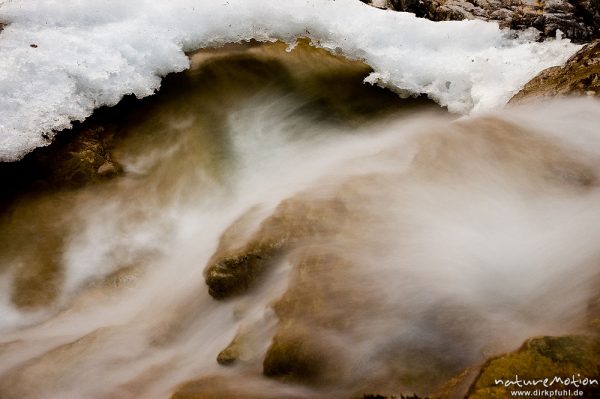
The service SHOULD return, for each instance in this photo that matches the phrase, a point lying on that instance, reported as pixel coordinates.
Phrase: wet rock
(235, 387)
(579, 76)
(329, 301)
(457, 386)
(81, 159)
(299, 355)
(593, 311)
(320, 316)
(108, 169)
(36, 286)
(323, 277)
(231, 353)
(326, 314)
(376, 396)
(76, 157)
(233, 270)
(40, 229)
(578, 20)
(546, 357)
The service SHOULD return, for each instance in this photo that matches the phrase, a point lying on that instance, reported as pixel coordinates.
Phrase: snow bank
(91, 53)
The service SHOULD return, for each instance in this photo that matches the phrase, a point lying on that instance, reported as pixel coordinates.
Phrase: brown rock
(232, 270)
(108, 169)
(298, 355)
(231, 353)
(579, 76)
(539, 358)
(81, 159)
(376, 396)
(237, 387)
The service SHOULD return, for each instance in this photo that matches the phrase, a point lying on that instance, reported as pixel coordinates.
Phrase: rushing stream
(397, 244)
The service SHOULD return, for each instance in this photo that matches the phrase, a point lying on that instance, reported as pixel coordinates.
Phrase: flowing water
(439, 241)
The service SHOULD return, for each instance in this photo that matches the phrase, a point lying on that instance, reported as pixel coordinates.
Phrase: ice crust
(91, 53)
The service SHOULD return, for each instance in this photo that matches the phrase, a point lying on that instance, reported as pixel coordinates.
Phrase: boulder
(579, 20)
(233, 269)
(298, 355)
(574, 357)
(579, 76)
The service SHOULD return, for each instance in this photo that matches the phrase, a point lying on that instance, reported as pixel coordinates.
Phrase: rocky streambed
(267, 226)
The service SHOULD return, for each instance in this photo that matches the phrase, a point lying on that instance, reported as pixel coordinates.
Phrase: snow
(91, 53)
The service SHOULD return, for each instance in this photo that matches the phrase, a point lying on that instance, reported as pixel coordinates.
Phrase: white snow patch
(91, 53)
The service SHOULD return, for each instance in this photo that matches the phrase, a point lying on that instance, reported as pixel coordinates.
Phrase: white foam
(91, 53)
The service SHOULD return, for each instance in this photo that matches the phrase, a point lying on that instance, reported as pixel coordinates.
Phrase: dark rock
(578, 20)
(579, 76)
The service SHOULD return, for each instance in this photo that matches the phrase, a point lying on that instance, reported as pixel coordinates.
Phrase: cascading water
(433, 243)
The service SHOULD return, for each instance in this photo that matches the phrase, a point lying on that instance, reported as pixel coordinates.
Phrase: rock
(579, 76)
(37, 285)
(383, 4)
(578, 20)
(232, 352)
(248, 345)
(80, 159)
(35, 190)
(546, 357)
(593, 312)
(76, 157)
(457, 386)
(232, 387)
(307, 345)
(108, 169)
(37, 226)
(232, 270)
(327, 309)
(376, 396)
(299, 355)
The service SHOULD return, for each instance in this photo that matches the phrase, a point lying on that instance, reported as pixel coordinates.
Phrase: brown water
(397, 245)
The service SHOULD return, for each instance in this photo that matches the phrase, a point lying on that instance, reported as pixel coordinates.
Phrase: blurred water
(465, 237)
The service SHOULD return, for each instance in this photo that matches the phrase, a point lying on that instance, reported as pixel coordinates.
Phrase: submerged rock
(579, 76)
(77, 157)
(572, 357)
(81, 159)
(224, 387)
